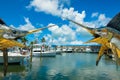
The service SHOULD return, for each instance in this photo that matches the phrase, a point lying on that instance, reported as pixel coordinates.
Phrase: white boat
(13, 58)
(15, 55)
(42, 52)
(88, 49)
(69, 50)
(58, 51)
(64, 50)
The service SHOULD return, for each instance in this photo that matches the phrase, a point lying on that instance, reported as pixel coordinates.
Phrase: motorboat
(13, 58)
(15, 55)
(40, 51)
(45, 54)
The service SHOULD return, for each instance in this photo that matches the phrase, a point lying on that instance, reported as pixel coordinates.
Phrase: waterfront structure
(79, 48)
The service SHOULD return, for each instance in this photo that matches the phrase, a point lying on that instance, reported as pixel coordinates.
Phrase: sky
(33, 14)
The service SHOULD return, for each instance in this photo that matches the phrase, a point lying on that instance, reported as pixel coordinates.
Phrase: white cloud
(47, 6)
(27, 26)
(101, 17)
(76, 42)
(56, 8)
(64, 31)
(61, 40)
(65, 34)
(95, 14)
(62, 35)
(102, 20)
(74, 15)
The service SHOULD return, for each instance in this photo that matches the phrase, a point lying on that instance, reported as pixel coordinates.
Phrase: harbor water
(67, 66)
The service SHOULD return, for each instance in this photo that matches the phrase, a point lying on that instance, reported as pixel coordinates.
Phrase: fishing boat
(69, 50)
(15, 56)
(58, 51)
(88, 49)
(40, 51)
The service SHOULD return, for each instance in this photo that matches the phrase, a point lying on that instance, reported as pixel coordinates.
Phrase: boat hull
(44, 54)
(13, 58)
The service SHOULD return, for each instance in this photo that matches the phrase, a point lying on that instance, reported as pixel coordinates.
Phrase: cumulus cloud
(95, 14)
(72, 14)
(76, 42)
(61, 40)
(47, 6)
(62, 35)
(56, 8)
(27, 26)
(102, 20)
(65, 34)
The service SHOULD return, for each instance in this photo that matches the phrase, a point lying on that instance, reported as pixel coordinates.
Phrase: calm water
(76, 66)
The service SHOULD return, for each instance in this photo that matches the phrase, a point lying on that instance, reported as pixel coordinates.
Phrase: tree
(43, 40)
(24, 40)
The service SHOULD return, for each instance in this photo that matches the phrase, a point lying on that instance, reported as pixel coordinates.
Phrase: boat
(40, 51)
(64, 50)
(15, 56)
(58, 51)
(44, 54)
(88, 49)
(69, 50)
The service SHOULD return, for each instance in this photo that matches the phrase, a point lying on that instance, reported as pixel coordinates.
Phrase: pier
(79, 48)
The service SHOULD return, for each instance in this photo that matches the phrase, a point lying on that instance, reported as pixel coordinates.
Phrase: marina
(72, 66)
(59, 40)
(41, 51)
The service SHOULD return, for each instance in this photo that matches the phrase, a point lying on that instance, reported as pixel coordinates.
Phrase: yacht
(69, 50)
(40, 51)
(58, 51)
(14, 57)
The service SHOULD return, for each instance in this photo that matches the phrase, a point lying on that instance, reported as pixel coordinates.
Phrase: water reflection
(67, 67)
(12, 70)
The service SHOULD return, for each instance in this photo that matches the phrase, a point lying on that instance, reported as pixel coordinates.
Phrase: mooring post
(31, 53)
(41, 51)
(5, 58)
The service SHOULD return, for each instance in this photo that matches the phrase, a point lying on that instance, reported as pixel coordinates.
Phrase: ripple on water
(67, 67)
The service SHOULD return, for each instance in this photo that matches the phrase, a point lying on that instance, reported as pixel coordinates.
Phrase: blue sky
(32, 14)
